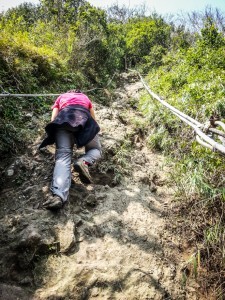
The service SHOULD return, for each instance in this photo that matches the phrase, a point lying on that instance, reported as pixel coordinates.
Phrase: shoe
(83, 171)
(54, 203)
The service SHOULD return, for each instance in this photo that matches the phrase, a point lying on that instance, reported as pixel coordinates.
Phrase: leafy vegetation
(192, 80)
(59, 45)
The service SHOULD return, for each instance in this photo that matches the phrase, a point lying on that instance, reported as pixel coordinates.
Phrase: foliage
(192, 80)
(143, 34)
(25, 66)
(61, 11)
(90, 47)
(28, 13)
(211, 37)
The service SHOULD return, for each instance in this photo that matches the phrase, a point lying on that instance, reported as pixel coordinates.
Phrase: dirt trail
(111, 241)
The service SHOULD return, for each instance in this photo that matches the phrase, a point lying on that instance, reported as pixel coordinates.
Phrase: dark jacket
(77, 119)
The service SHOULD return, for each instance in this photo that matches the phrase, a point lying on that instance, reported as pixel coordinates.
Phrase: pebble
(10, 172)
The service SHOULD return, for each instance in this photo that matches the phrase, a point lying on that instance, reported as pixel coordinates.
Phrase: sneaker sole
(53, 205)
(84, 176)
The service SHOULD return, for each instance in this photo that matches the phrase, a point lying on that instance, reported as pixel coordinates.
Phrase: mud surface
(111, 240)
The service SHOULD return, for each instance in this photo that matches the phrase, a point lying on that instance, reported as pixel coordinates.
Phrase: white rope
(201, 137)
(204, 137)
(5, 94)
(200, 141)
(173, 109)
(221, 124)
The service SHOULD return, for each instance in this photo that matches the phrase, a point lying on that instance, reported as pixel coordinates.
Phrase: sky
(159, 6)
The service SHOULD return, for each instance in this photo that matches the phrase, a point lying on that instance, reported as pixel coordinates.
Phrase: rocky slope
(112, 239)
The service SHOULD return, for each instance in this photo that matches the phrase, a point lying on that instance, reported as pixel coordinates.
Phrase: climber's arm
(55, 112)
(92, 113)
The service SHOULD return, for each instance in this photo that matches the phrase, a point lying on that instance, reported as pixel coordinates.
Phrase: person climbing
(72, 122)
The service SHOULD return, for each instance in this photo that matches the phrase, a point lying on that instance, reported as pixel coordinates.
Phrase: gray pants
(64, 149)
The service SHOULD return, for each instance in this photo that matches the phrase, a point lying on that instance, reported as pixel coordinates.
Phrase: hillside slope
(112, 239)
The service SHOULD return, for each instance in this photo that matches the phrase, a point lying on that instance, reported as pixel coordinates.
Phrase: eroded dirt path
(111, 241)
